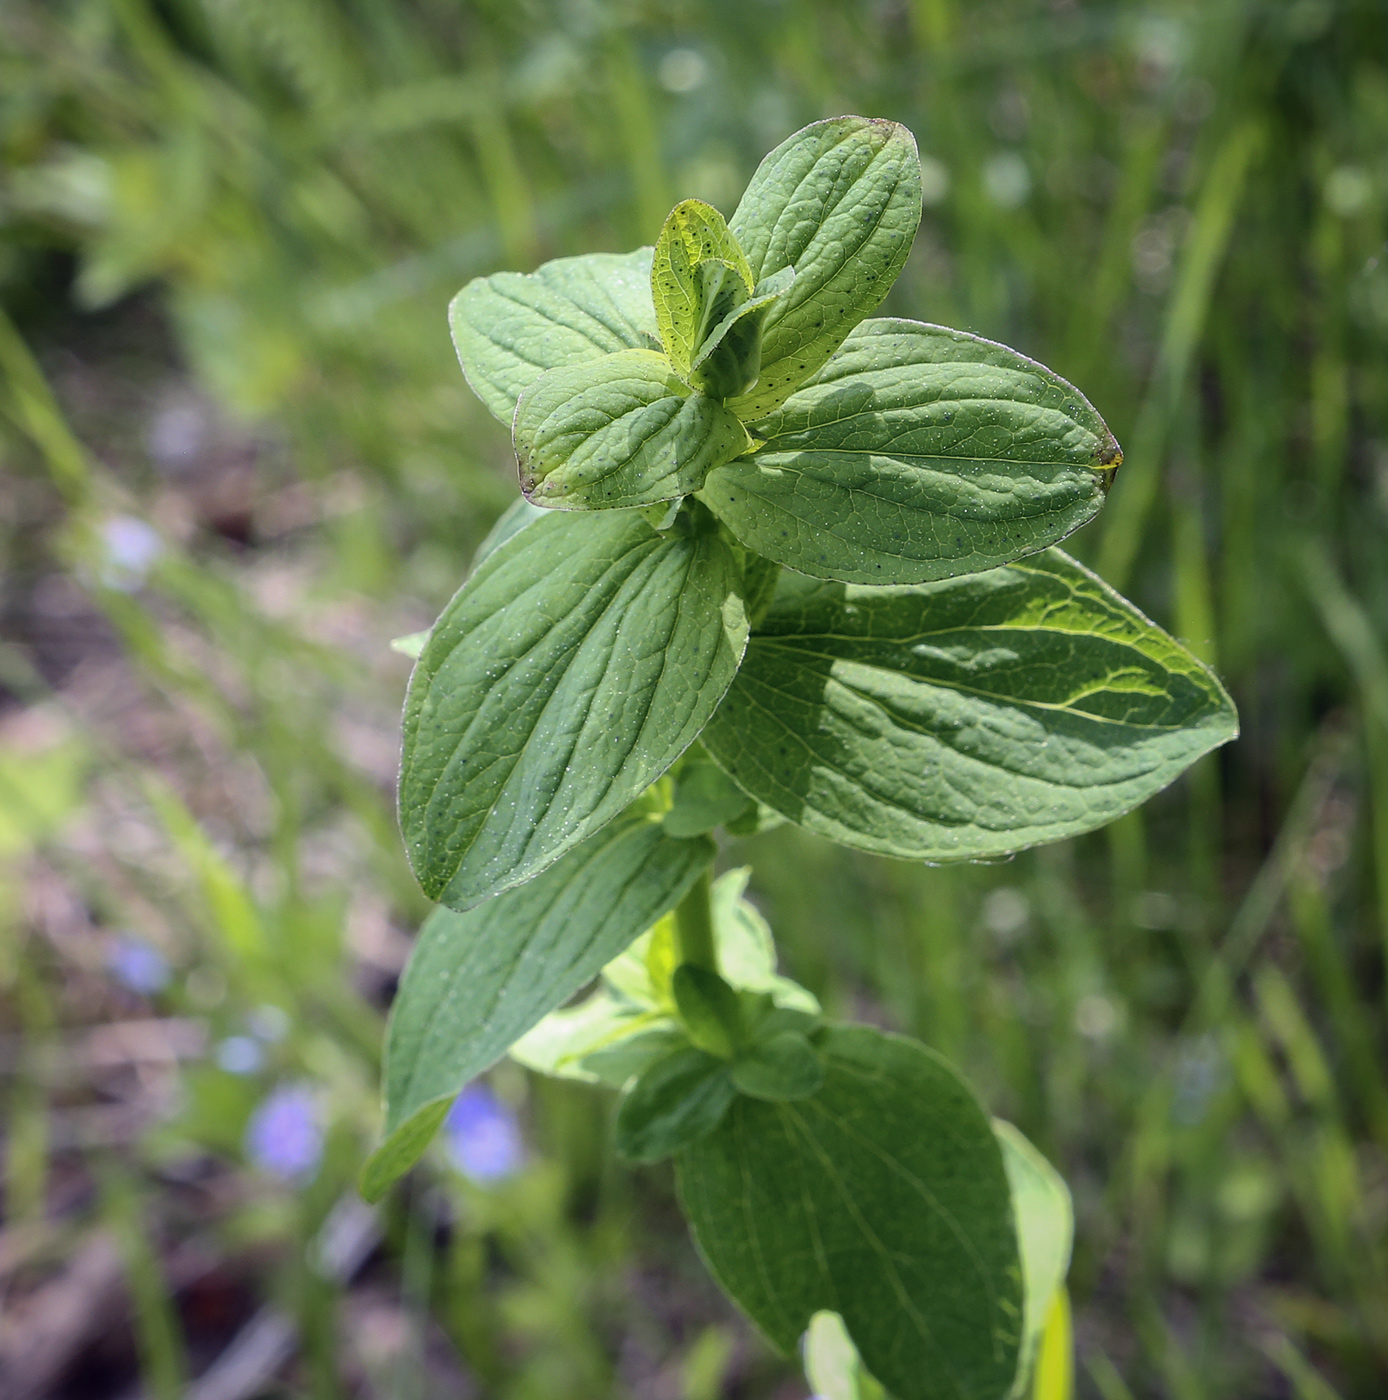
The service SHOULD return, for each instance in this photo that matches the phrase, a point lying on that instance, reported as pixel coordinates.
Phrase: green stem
(694, 926)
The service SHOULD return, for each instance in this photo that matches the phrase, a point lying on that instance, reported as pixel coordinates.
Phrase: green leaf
(477, 981)
(708, 1008)
(674, 1103)
(884, 1198)
(839, 201)
(746, 950)
(698, 275)
(578, 662)
(511, 327)
(705, 797)
(1045, 1232)
(620, 431)
(779, 1068)
(512, 520)
(917, 453)
(966, 718)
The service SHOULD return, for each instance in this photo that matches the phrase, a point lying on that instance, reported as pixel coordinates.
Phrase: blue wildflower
(137, 965)
(482, 1136)
(284, 1136)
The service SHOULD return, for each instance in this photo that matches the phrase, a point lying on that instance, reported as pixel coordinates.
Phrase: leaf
(705, 797)
(1045, 1232)
(1055, 1363)
(779, 1068)
(619, 431)
(674, 1103)
(578, 662)
(917, 453)
(728, 362)
(479, 980)
(512, 520)
(832, 1364)
(511, 327)
(883, 1197)
(688, 304)
(746, 950)
(839, 201)
(559, 1044)
(966, 718)
(708, 1009)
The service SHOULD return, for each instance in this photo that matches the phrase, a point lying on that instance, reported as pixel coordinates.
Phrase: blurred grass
(228, 229)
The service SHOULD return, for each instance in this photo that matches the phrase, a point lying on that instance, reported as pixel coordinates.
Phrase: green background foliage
(253, 214)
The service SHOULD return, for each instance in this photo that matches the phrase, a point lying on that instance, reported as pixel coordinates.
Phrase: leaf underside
(477, 981)
(883, 1198)
(917, 453)
(839, 201)
(967, 718)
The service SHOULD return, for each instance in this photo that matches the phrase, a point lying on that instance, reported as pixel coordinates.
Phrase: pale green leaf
(883, 1197)
(839, 202)
(617, 432)
(728, 362)
(411, 645)
(559, 1044)
(917, 453)
(674, 1103)
(966, 718)
(832, 1364)
(1045, 1232)
(479, 980)
(511, 327)
(571, 670)
(687, 303)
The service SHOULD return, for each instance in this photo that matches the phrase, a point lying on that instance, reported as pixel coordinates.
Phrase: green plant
(776, 562)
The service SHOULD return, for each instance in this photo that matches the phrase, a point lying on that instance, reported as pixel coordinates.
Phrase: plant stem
(694, 926)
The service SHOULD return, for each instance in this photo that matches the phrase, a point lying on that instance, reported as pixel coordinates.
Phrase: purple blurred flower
(129, 549)
(239, 1054)
(137, 965)
(482, 1136)
(284, 1136)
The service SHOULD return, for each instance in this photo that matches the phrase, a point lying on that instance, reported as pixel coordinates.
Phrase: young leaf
(620, 431)
(779, 1068)
(839, 201)
(690, 298)
(728, 361)
(578, 662)
(966, 718)
(674, 1103)
(705, 797)
(708, 1008)
(511, 327)
(511, 521)
(477, 981)
(917, 453)
(883, 1197)
(1045, 1231)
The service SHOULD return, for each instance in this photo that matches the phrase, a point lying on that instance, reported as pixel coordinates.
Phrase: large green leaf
(917, 453)
(1045, 1232)
(578, 662)
(511, 327)
(883, 1198)
(623, 430)
(966, 718)
(479, 980)
(689, 298)
(839, 201)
